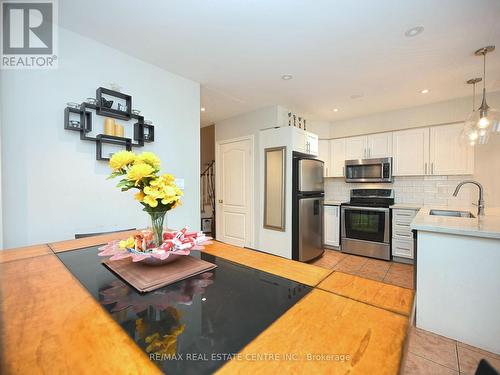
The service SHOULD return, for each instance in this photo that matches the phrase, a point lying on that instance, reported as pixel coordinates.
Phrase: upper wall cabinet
(304, 141)
(369, 146)
(324, 154)
(449, 153)
(439, 150)
(379, 145)
(337, 157)
(355, 148)
(411, 152)
(312, 144)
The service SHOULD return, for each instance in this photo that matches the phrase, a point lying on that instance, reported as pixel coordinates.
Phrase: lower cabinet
(331, 224)
(402, 236)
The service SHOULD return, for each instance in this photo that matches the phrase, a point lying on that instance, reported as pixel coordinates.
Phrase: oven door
(366, 223)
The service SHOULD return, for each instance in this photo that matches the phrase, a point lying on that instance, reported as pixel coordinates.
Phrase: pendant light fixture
(485, 119)
(471, 133)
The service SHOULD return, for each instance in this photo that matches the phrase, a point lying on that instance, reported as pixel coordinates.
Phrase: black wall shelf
(84, 119)
(143, 133)
(111, 112)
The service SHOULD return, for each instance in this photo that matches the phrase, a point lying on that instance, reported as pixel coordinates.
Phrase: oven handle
(356, 208)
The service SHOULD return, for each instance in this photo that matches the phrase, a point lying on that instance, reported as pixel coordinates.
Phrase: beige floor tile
(374, 269)
(350, 264)
(433, 347)
(469, 359)
(402, 280)
(416, 365)
(329, 259)
(401, 266)
(481, 351)
(400, 275)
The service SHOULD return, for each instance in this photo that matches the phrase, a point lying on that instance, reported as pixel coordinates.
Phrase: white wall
(487, 157)
(430, 114)
(52, 186)
(249, 124)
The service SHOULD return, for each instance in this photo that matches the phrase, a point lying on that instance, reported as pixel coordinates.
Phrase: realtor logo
(29, 39)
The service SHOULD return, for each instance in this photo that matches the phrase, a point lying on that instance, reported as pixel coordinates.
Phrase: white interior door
(235, 192)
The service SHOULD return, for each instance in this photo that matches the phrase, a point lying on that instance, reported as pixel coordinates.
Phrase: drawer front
(402, 248)
(403, 217)
(401, 231)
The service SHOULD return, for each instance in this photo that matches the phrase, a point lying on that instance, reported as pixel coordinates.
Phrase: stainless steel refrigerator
(307, 208)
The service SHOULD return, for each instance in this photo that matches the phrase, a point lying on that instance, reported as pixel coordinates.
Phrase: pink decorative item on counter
(141, 247)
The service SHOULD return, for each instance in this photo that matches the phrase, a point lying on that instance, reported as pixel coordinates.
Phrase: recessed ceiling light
(424, 91)
(286, 77)
(335, 110)
(414, 31)
(356, 96)
(202, 109)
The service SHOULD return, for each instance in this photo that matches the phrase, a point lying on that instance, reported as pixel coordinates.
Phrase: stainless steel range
(366, 223)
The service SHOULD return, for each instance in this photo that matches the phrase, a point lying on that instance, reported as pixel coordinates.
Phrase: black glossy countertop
(195, 325)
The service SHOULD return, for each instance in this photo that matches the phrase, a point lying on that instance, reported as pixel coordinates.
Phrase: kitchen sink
(451, 213)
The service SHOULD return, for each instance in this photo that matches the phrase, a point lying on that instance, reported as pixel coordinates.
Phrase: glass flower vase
(158, 222)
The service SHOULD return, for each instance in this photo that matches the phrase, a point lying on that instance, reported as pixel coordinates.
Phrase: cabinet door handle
(343, 171)
(220, 201)
(425, 168)
(432, 168)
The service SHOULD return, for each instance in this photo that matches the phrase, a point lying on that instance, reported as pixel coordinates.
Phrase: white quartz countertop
(328, 202)
(406, 206)
(487, 226)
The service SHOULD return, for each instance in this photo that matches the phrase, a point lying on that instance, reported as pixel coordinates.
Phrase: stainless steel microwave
(368, 170)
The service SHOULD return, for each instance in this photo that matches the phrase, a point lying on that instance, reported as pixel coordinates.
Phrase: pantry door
(234, 191)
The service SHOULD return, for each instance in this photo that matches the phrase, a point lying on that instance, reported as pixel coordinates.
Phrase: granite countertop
(406, 206)
(487, 226)
(332, 202)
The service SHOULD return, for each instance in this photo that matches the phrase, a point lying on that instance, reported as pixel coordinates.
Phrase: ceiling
(238, 50)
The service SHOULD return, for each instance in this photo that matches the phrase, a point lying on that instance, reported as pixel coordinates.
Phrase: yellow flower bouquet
(157, 193)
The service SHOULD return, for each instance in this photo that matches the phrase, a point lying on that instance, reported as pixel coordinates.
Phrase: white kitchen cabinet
(369, 146)
(304, 142)
(435, 151)
(312, 144)
(411, 152)
(356, 148)
(337, 157)
(450, 154)
(298, 139)
(331, 224)
(379, 145)
(402, 236)
(324, 154)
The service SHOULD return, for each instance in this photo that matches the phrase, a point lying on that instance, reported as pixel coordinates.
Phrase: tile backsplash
(424, 190)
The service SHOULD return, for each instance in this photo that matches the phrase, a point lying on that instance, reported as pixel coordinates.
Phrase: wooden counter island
(51, 324)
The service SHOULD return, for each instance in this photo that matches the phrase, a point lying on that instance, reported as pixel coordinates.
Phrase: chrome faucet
(480, 202)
